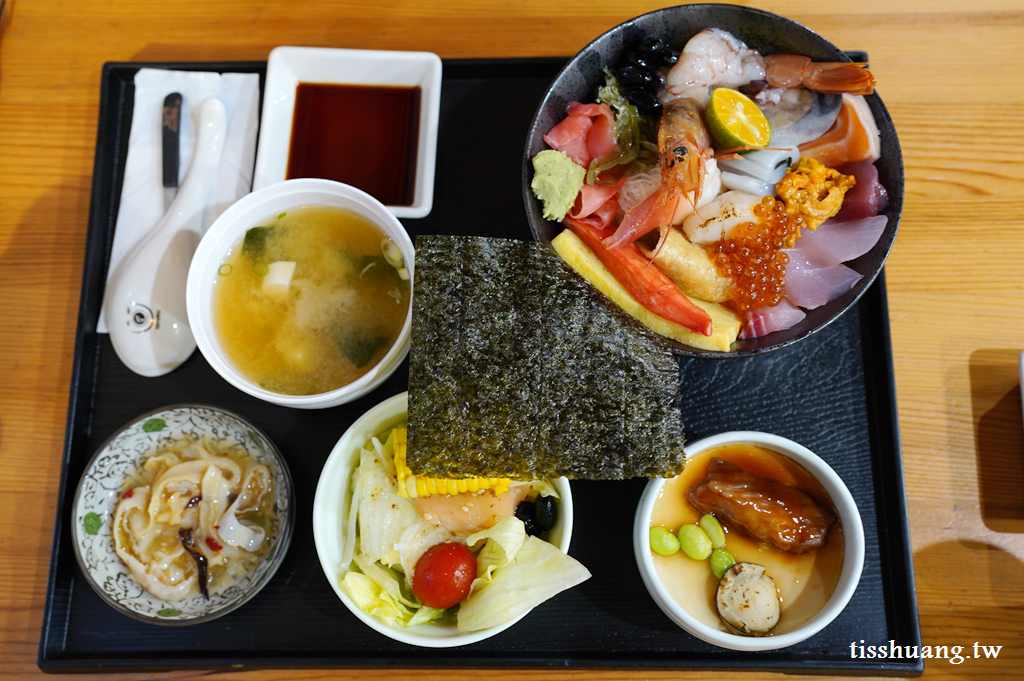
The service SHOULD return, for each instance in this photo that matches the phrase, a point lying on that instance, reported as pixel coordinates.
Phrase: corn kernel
(410, 485)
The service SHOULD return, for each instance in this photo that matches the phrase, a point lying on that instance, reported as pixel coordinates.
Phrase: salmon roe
(752, 257)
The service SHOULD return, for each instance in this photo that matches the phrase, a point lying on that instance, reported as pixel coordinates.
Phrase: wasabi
(556, 182)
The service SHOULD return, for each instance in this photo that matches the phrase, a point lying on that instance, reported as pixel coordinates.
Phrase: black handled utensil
(171, 155)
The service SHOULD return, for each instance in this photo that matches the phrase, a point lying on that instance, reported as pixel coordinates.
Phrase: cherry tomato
(443, 575)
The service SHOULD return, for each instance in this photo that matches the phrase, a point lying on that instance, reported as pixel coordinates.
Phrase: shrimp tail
(830, 78)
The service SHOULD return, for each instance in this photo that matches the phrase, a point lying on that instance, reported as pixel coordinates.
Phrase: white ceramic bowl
(99, 492)
(853, 550)
(330, 509)
(289, 66)
(229, 229)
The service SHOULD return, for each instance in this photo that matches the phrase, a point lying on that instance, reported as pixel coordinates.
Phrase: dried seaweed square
(521, 369)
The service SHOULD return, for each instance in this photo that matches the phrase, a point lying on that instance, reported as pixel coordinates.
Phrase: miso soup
(310, 300)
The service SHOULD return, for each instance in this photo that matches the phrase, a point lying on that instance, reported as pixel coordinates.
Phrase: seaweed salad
(521, 369)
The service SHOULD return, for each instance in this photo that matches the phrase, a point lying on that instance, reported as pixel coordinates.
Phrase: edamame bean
(721, 561)
(716, 534)
(694, 542)
(663, 542)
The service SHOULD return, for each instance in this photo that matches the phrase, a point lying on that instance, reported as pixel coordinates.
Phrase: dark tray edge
(78, 425)
(894, 504)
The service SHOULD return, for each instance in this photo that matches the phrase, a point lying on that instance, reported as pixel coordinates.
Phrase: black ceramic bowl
(763, 31)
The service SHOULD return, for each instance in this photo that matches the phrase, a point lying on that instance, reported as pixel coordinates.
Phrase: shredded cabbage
(383, 515)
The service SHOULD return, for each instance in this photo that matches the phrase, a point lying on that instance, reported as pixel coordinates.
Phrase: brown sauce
(805, 582)
(362, 135)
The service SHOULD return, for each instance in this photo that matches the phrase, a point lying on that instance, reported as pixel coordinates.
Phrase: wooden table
(951, 78)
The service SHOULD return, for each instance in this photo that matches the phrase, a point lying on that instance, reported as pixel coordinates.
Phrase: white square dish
(289, 66)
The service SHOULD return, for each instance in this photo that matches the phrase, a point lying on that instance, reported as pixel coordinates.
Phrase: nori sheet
(519, 368)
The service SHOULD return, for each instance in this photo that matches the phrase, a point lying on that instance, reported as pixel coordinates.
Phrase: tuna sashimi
(835, 242)
(853, 137)
(468, 513)
(766, 320)
(868, 197)
(811, 285)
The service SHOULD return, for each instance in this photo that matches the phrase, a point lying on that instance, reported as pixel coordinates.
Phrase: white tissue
(142, 196)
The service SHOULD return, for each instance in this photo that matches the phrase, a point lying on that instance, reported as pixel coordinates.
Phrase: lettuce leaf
(503, 542)
(536, 572)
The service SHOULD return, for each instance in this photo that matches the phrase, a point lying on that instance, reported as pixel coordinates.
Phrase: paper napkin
(142, 202)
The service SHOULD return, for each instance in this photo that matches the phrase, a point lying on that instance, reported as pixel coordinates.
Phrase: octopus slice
(766, 510)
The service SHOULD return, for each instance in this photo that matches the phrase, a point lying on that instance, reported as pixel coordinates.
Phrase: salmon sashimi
(471, 512)
(853, 137)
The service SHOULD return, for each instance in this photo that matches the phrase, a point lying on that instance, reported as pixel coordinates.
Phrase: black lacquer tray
(833, 392)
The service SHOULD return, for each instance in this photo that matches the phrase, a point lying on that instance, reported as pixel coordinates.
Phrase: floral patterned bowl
(100, 490)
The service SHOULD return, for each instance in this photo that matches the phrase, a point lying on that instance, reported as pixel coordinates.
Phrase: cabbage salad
(386, 537)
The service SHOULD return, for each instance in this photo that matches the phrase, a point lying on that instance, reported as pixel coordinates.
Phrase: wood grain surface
(950, 74)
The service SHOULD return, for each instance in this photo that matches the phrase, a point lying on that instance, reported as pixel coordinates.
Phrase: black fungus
(185, 535)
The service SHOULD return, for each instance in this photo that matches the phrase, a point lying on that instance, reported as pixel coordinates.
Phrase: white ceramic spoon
(146, 314)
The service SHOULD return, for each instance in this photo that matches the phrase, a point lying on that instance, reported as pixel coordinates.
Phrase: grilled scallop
(747, 599)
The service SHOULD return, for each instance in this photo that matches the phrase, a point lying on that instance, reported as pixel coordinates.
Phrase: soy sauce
(363, 135)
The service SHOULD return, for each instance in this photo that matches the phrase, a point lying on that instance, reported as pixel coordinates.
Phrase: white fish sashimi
(835, 242)
(766, 320)
(811, 285)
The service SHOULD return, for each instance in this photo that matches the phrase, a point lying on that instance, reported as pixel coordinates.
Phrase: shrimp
(831, 78)
(712, 58)
(684, 147)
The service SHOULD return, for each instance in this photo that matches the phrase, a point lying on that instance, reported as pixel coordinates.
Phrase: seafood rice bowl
(724, 175)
